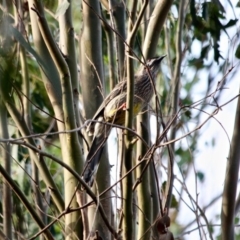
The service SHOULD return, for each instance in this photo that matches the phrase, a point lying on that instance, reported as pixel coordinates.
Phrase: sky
(211, 158)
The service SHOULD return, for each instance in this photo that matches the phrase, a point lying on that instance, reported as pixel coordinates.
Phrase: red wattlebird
(112, 110)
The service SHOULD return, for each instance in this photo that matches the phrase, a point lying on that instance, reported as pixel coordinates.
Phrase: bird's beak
(161, 58)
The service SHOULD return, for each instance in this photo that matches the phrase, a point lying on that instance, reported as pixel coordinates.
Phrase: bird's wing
(118, 89)
(92, 162)
(115, 108)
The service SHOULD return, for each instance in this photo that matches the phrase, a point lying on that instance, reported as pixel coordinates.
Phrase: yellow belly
(117, 116)
(136, 109)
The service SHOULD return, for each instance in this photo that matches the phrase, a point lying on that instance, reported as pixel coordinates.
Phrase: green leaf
(213, 142)
(174, 203)
(205, 51)
(188, 114)
(231, 23)
(237, 53)
(18, 36)
(164, 184)
(200, 176)
(217, 54)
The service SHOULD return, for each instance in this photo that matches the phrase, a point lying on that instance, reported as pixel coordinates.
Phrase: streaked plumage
(112, 110)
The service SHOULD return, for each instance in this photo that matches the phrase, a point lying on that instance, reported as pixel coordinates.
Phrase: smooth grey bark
(127, 195)
(133, 26)
(27, 117)
(143, 189)
(71, 109)
(92, 89)
(5, 157)
(69, 141)
(27, 112)
(155, 25)
(118, 18)
(231, 181)
(68, 48)
(176, 81)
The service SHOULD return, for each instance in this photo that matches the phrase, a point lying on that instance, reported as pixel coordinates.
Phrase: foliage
(42, 96)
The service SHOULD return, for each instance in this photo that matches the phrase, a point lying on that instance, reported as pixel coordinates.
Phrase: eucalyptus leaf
(18, 36)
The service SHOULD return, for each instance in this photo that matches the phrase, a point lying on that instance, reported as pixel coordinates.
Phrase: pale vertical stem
(117, 15)
(132, 16)
(71, 148)
(50, 78)
(147, 190)
(175, 99)
(92, 84)
(49, 73)
(68, 48)
(70, 86)
(177, 73)
(2, 235)
(81, 199)
(143, 189)
(168, 50)
(128, 232)
(25, 86)
(155, 25)
(231, 181)
(5, 158)
(146, 19)
(26, 108)
(129, 219)
(127, 165)
(112, 78)
(27, 113)
(154, 195)
(110, 53)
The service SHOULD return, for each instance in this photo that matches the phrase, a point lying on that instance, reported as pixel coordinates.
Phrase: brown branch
(82, 182)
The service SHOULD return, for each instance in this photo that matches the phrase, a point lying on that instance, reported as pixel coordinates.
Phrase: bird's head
(152, 65)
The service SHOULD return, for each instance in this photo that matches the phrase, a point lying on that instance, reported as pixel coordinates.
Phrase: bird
(112, 111)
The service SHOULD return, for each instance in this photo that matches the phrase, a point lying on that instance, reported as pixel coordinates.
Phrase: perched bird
(112, 110)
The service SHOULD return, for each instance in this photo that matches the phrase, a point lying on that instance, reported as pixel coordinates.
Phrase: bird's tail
(94, 155)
